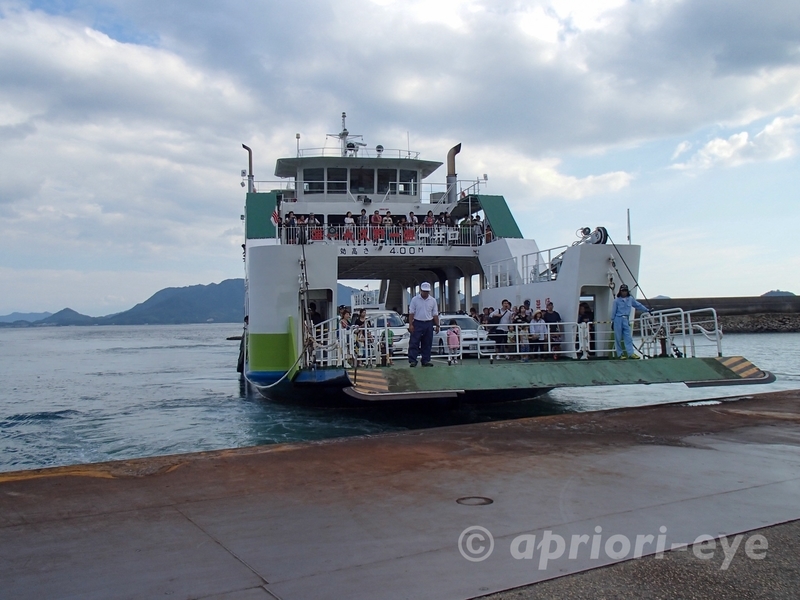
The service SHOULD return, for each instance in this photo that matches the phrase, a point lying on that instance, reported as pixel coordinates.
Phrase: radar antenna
(348, 142)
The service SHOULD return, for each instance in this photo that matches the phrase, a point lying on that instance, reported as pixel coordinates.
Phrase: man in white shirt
(423, 317)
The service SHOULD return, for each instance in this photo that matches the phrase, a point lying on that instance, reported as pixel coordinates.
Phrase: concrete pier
(441, 513)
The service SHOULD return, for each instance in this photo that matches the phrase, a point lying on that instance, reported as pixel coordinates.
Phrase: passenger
(375, 221)
(487, 236)
(349, 227)
(552, 318)
(585, 315)
(483, 319)
(315, 317)
(477, 230)
(528, 310)
(473, 312)
(359, 328)
(313, 225)
(363, 227)
(501, 318)
(538, 333)
(361, 319)
(523, 333)
(429, 223)
(453, 342)
(423, 319)
(624, 303)
(516, 340)
(344, 322)
(465, 231)
(388, 225)
(302, 230)
(290, 226)
(412, 219)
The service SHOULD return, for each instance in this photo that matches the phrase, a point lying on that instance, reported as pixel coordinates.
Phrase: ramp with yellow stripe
(399, 382)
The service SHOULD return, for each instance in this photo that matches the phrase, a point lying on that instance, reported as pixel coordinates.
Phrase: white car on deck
(471, 336)
(390, 319)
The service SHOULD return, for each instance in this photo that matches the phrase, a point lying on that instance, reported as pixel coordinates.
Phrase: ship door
(599, 299)
(323, 298)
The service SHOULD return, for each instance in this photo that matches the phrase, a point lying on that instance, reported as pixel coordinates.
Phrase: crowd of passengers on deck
(385, 228)
(519, 332)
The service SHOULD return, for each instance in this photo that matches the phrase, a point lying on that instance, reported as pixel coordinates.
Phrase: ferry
(349, 211)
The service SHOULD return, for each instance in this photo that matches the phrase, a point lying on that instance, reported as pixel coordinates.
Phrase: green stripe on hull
(271, 351)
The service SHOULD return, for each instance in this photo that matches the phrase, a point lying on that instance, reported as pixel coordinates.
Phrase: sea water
(73, 395)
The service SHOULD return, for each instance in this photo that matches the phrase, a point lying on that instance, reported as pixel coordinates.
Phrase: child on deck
(453, 342)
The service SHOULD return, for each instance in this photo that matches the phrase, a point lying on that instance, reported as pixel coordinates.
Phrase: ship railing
(335, 346)
(678, 333)
(534, 341)
(358, 151)
(533, 267)
(502, 273)
(543, 265)
(328, 344)
(384, 235)
(369, 346)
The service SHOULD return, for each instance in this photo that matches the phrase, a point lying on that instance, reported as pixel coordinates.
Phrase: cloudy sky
(121, 124)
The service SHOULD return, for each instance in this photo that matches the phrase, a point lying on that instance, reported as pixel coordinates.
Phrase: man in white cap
(423, 316)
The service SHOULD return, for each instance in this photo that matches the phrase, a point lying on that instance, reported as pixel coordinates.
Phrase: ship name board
(396, 250)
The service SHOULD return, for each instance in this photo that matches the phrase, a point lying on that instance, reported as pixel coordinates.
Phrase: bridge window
(314, 181)
(337, 180)
(408, 182)
(362, 181)
(387, 181)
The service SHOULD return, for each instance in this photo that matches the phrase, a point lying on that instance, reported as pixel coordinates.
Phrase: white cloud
(540, 178)
(775, 142)
(682, 148)
(123, 155)
(539, 25)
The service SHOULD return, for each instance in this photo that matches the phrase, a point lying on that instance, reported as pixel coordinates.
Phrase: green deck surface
(472, 375)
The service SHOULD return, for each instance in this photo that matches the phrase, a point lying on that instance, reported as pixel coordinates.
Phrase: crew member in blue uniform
(423, 316)
(620, 314)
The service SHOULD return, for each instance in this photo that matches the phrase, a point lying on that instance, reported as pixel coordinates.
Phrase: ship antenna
(343, 135)
(348, 145)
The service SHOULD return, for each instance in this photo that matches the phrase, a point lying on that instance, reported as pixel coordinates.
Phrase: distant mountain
(777, 293)
(67, 317)
(17, 316)
(214, 303)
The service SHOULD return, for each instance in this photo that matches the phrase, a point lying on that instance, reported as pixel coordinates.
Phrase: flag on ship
(275, 216)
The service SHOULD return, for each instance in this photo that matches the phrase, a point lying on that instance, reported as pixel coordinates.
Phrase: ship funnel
(250, 179)
(452, 182)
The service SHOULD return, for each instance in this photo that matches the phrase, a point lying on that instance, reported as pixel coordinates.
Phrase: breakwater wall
(756, 314)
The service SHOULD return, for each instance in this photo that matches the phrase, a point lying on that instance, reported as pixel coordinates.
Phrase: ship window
(337, 180)
(387, 181)
(314, 181)
(362, 181)
(408, 182)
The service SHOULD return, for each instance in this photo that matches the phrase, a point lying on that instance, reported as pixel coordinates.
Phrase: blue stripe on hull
(264, 377)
